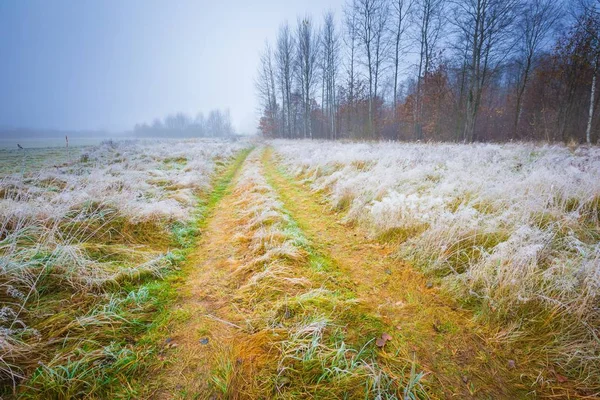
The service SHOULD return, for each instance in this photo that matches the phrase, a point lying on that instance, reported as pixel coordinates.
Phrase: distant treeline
(217, 124)
(452, 70)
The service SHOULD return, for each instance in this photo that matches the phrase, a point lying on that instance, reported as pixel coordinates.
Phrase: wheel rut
(462, 356)
(282, 301)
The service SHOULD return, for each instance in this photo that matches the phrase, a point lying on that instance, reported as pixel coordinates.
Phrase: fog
(107, 65)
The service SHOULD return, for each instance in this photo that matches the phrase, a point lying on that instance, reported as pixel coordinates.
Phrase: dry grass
(311, 322)
(282, 322)
(83, 249)
(511, 230)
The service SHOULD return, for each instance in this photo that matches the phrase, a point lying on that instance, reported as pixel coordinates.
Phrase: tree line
(216, 124)
(452, 70)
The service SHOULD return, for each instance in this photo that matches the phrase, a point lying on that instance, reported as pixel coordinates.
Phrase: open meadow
(87, 239)
(300, 269)
(315, 200)
(511, 231)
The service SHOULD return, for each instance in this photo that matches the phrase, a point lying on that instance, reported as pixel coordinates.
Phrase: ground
(230, 339)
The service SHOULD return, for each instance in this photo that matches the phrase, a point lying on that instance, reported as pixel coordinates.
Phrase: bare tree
(307, 48)
(350, 42)
(462, 85)
(284, 61)
(430, 24)
(534, 27)
(589, 20)
(330, 64)
(485, 24)
(401, 12)
(370, 17)
(218, 123)
(588, 130)
(265, 85)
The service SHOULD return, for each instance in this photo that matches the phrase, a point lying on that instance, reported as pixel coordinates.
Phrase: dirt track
(227, 344)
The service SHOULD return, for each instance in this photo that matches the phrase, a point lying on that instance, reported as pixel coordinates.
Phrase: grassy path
(189, 351)
(281, 301)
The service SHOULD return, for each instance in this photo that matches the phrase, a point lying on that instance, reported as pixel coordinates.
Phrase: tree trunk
(396, 72)
(520, 93)
(588, 131)
(469, 118)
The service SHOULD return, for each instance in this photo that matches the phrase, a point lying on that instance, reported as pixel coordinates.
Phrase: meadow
(300, 269)
(86, 240)
(511, 230)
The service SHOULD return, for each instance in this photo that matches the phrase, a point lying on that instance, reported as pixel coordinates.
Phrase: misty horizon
(108, 66)
(9, 132)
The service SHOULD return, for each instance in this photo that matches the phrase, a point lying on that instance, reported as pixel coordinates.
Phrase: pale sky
(108, 64)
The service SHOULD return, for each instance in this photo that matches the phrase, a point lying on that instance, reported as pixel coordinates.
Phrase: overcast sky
(108, 64)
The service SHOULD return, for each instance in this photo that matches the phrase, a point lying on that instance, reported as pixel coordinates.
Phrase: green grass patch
(401, 234)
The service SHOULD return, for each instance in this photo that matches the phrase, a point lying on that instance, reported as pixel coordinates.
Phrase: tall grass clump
(512, 229)
(82, 244)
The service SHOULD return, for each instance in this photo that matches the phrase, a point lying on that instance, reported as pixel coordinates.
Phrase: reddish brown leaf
(381, 341)
(561, 379)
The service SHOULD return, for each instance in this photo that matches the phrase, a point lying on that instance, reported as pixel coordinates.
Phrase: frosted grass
(90, 224)
(515, 226)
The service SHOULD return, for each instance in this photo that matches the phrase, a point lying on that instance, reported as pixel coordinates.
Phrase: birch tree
(370, 18)
(284, 59)
(307, 52)
(589, 20)
(350, 44)
(330, 65)
(485, 24)
(430, 23)
(265, 85)
(534, 27)
(401, 11)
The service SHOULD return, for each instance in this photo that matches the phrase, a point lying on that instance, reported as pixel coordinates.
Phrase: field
(297, 269)
(87, 240)
(511, 231)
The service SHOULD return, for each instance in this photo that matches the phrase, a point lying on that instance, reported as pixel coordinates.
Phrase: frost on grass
(306, 323)
(514, 226)
(73, 234)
